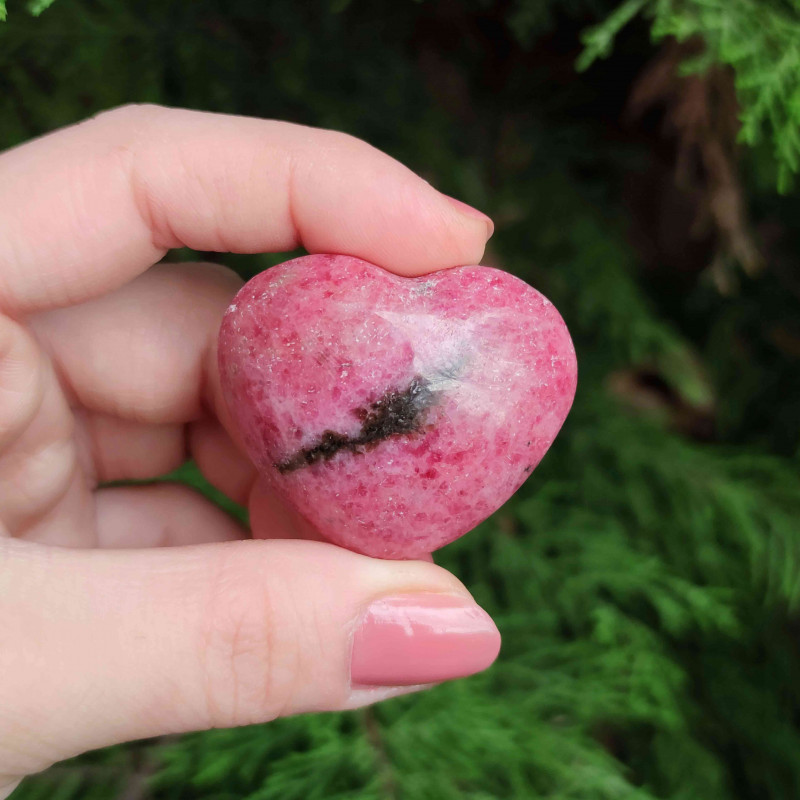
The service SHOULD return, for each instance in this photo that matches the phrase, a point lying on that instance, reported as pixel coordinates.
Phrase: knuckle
(339, 141)
(128, 110)
(247, 659)
(32, 482)
(347, 140)
(21, 381)
(360, 148)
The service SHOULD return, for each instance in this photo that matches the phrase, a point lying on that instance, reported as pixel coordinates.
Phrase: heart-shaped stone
(394, 414)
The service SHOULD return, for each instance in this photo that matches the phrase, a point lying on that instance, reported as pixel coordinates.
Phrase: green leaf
(36, 7)
(599, 40)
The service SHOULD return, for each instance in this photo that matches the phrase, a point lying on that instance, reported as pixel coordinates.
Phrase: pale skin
(136, 612)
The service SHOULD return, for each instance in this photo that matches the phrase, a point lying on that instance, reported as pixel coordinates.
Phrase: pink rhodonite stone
(394, 414)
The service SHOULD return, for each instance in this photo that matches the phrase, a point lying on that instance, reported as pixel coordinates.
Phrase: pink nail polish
(469, 211)
(422, 638)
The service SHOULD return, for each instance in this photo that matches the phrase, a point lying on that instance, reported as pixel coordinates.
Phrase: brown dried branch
(700, 114)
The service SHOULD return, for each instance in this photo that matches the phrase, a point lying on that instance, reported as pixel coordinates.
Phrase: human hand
(108, 371)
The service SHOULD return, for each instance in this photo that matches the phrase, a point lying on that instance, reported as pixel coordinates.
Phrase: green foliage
(647, 584)
(37, 7)
(528, 20)
(599, 40)
(759, 39)
(34, 7)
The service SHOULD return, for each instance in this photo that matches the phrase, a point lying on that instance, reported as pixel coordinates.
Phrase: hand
(108, 371)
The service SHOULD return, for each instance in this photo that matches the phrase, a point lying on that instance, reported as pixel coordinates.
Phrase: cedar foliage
(647, 577)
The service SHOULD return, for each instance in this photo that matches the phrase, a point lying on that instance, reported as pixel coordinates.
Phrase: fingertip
(471, 213)
(222, 463)
(437, 232)
(366, 204)
(160, 515)
(449, 234)
(413, 639)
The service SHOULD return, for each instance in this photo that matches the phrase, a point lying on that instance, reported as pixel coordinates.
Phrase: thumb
(101, 647)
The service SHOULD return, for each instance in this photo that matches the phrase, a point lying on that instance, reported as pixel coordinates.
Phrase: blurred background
(638, 159)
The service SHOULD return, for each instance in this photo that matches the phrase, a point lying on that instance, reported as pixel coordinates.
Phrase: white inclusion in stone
(455, 358)
(442, 347)
(423, 288)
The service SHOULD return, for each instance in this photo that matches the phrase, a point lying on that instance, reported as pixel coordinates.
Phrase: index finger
(87, 208)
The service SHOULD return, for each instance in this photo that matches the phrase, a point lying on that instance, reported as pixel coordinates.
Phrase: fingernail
(469, 211)
(422, 638)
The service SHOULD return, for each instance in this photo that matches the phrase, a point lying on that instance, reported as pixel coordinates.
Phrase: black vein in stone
(396, 413)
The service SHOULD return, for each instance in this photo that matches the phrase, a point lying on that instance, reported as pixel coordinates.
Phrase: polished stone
(394, 413)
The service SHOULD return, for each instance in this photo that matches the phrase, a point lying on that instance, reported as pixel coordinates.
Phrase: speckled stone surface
(394, 413)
